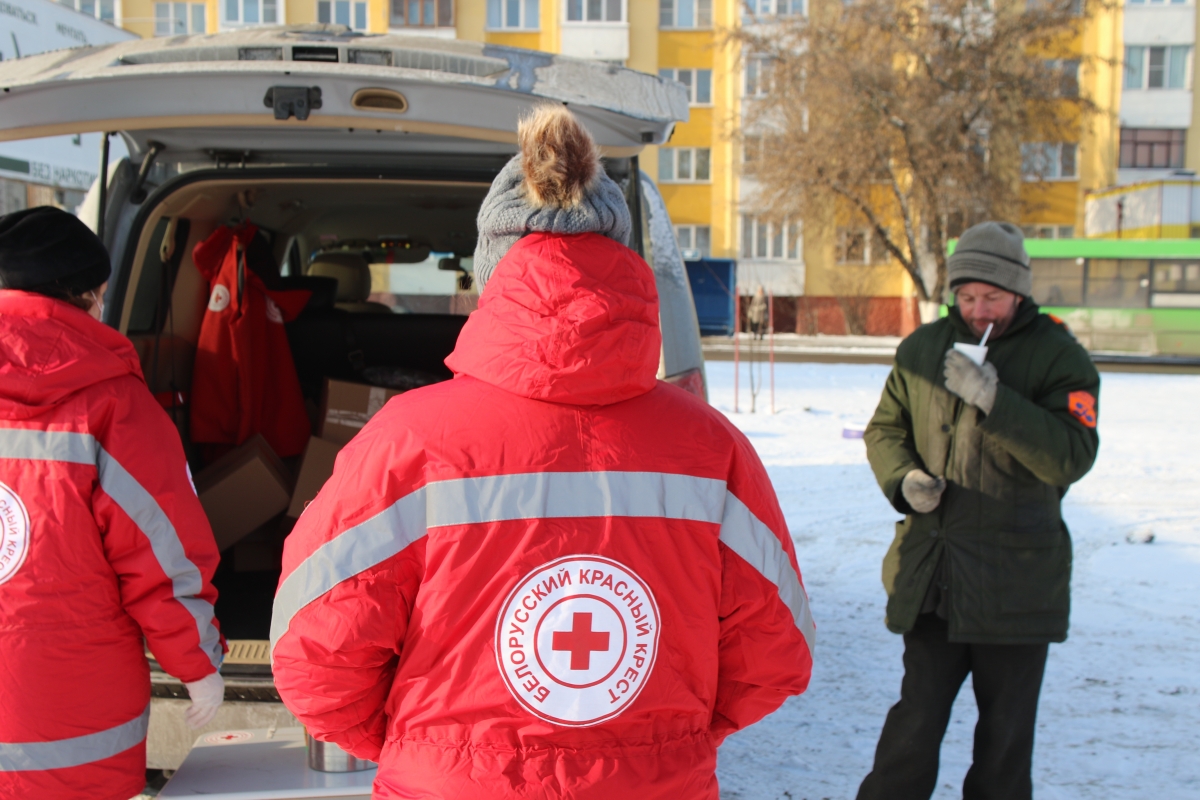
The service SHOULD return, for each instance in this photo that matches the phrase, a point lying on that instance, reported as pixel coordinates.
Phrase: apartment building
(698, 171)
(1056, 206)
(1156, 194)
(1156, 102)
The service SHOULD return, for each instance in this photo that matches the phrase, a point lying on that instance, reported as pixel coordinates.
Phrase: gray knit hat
(555, 185)
(992, 252)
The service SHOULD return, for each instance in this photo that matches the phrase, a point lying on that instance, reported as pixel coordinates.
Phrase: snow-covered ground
(1120, 709)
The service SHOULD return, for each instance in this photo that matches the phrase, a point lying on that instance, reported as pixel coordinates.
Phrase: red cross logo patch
(1083, 407)
(576, 640)
(14, 533)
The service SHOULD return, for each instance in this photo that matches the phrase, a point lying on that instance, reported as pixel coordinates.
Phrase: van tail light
(690, 381)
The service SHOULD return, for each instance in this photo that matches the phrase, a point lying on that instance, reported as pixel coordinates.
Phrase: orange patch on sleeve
(1083, 407)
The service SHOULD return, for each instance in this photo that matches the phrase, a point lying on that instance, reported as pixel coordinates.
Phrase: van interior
(388, 265)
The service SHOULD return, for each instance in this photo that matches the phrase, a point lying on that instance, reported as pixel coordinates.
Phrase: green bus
(1122, 296)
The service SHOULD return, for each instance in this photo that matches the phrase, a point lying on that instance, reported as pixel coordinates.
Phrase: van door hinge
(293, 101)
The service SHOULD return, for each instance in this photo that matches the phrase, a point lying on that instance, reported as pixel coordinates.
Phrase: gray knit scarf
(506, 216)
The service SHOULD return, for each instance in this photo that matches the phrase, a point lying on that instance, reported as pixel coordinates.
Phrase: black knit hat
(47, 249)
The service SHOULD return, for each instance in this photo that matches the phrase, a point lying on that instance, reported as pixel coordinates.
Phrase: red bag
(244, 380)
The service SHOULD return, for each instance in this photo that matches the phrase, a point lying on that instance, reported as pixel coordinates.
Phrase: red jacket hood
(568, 319)
(49, 350)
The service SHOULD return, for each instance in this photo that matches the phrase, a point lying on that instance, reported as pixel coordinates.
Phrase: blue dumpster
(714, 283)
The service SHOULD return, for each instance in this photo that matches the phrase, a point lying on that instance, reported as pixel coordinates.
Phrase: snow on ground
(1120, 709)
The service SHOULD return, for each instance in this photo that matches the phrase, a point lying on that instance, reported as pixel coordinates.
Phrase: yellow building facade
(698, 171)
(1056, 206)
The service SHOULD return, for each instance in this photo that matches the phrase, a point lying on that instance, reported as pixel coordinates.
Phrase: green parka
(999, 525)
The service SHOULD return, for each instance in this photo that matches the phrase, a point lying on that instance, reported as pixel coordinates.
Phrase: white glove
(973, 383)
(922, 491)
(207, 695)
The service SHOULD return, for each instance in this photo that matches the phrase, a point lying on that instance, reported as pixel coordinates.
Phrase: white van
(330, 142)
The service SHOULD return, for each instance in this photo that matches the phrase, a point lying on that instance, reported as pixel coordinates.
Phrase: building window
(1158, 67)
(860, 246)
(104, 10)
(1069, 81)
(684, 165)
(1152, 148)
(758, 76)
(763, 239)
(1134, 60)
(342, 12)
(595, 10)
(509, 14)
(695, 241)
(757, 9)
(697, 81)
(422, 14)
(1177, 276)
(1048, 161)
(177, 19)
(851, 246)
(252, 12)
(1048, 231)
(685, 13)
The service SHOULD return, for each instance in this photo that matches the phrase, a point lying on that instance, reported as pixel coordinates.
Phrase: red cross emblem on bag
(1083, 407)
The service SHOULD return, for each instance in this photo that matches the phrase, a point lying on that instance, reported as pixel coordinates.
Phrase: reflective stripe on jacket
(551, 574)
(102, 542)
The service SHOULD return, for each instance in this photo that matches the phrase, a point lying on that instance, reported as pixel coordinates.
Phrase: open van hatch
(303, 94)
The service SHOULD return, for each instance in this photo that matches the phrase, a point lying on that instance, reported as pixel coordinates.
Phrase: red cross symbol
(581, 640)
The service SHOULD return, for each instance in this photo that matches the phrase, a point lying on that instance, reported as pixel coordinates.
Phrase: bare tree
(909, 116)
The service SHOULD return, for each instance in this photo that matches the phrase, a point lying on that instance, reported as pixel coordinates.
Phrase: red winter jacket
(102, 542)
(552, 576)
(244, 380)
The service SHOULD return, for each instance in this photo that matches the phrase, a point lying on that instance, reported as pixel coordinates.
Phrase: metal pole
(635, 202)
(737, 325)
(102, 205)
(771, 343)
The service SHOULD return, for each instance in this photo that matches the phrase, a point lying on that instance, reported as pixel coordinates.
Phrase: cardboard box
(242, 490)
(315, 468)
(346, 407)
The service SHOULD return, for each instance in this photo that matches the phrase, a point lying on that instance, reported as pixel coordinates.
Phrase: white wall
(1160, 24)
(1156, 108)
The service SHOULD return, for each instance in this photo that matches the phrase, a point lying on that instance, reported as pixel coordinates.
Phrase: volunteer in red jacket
(552, 576)
(102, 539)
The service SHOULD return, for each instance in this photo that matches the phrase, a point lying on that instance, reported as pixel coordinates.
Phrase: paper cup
(975, 352)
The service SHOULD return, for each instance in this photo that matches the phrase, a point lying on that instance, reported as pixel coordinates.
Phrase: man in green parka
(978, 457)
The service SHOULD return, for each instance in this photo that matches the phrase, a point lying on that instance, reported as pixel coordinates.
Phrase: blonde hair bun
(559, 158)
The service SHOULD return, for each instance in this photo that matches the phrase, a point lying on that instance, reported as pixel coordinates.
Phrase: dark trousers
(1007, 680)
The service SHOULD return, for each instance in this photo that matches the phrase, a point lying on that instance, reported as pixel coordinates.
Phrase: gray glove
(922, 491)
(973, 383)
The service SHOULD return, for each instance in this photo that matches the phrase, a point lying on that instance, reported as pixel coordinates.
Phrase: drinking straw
(986, 334)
